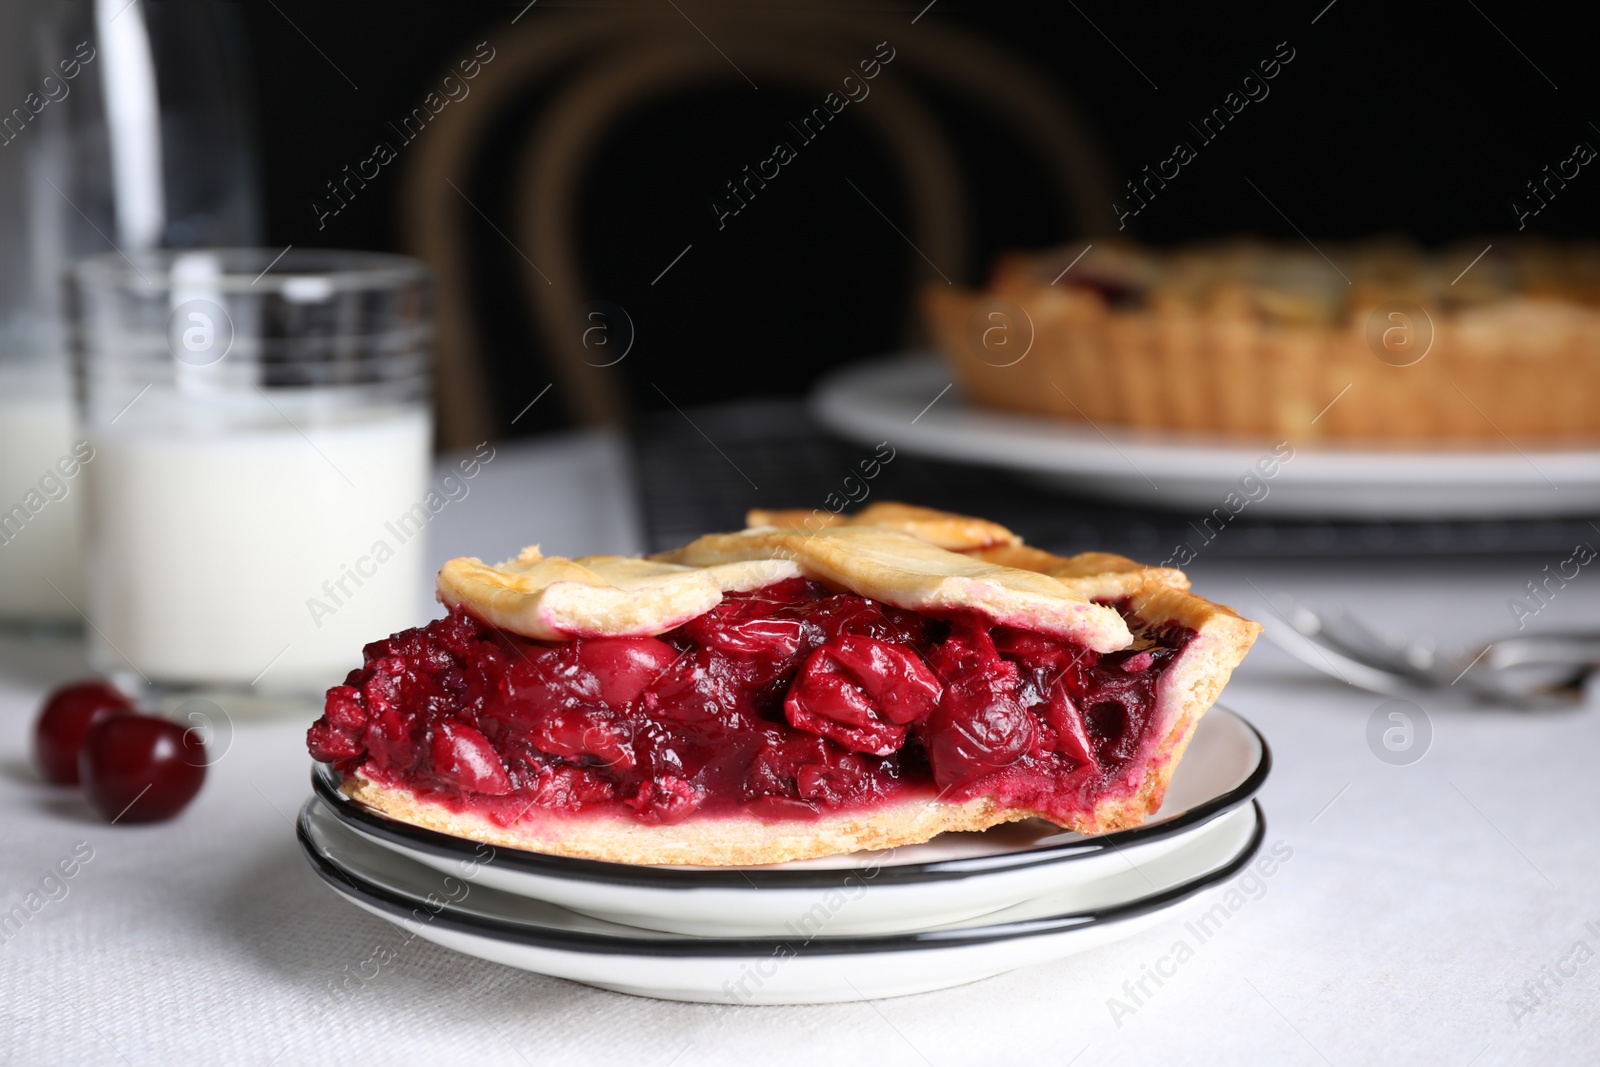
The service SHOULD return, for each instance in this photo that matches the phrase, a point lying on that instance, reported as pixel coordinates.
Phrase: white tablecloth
(1442, 912)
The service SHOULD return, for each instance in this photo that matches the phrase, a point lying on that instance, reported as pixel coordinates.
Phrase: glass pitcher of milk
(259, 437)
(123, 125)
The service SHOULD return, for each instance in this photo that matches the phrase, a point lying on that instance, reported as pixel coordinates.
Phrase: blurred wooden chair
(604, 64)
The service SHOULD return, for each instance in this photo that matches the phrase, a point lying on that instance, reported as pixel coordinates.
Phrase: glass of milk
(258, 438)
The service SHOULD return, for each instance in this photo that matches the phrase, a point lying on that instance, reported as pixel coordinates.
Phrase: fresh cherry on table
(68, 715)
(141, 768)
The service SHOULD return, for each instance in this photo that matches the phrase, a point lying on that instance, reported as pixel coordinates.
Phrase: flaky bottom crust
(738, 840)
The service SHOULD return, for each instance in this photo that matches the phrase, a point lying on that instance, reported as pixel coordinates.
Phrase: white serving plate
(890, 400)
(951, 878)
(545, 938)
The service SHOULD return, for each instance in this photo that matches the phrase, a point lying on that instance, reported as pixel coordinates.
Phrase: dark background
(1421, 119)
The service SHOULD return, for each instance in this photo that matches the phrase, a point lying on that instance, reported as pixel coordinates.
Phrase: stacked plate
(953, 910)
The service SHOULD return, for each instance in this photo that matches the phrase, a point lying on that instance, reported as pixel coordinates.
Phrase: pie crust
(958, 533)
(896, 568)
(876, 554)
(550, 598)
(1254, 339)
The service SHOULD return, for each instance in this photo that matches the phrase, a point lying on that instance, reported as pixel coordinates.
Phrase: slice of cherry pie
(812, 685)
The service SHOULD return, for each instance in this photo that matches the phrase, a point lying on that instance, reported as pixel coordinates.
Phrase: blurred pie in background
(1252, 339)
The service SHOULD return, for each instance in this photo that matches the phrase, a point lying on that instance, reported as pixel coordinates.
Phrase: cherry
(763, 637)
(578, 733)
(337, 735)
(667, 800)
(464, 758)
(68, 715)
(980, 725)
(899, 684)
(833, 616)
(140, 768)
(549, 678)
(1064, 717)
(701, 694)
(803, 769)
(861, 693)
(978, 729)
(624, 666)
(771, 638)
(569, 788)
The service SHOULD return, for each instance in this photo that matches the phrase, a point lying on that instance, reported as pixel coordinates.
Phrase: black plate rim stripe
(393, 902)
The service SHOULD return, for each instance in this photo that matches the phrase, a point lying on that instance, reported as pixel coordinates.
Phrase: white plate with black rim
(545, 938)
(954, 877)
(890, 399)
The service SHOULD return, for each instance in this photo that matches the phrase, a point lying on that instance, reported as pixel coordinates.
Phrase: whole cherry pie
(812, 685)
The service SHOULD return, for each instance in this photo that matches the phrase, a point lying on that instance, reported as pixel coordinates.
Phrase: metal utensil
(1526, 670)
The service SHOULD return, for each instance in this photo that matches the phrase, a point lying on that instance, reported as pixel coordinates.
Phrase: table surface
(1438, 912)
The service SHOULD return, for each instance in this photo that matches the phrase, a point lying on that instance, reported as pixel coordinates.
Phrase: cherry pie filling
(792, 701)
